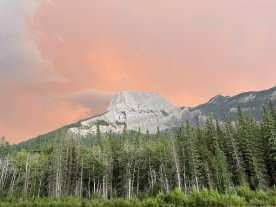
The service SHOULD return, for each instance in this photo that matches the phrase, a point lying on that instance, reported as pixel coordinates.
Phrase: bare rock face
(149, 112)
(136, 111)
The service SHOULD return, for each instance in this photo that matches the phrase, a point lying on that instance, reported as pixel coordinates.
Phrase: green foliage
(240, 197)
(219, 164)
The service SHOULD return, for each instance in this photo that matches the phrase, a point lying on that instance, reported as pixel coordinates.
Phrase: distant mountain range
(149, 112)
(251, 103)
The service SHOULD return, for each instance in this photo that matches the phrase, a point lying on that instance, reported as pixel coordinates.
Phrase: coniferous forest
(218, 164)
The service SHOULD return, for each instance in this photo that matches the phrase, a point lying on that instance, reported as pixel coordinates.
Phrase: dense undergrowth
(241, 196)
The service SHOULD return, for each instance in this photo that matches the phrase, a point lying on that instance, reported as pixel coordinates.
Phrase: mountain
(148, 112)
(251, 103)
(136, 111)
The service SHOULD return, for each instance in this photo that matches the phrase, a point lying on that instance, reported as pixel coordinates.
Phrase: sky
(62, 60)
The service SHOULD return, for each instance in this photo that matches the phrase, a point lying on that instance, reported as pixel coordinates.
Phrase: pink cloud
(188, 51)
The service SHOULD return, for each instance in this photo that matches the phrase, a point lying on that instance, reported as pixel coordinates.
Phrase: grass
(240, 197)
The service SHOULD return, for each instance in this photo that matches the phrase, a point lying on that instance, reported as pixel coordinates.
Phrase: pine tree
(188, 156)
(217, 156)
(232, 155)
(268, 128)
(272, 149)
(272, 109)
(98, 135)
(217, 160)
(204, 171)
(244, 137)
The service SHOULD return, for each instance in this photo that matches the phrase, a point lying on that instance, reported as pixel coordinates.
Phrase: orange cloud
(188, 51)
(27, 114)
(166, 47)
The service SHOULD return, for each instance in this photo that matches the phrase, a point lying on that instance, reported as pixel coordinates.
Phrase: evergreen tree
(232, 155)
(216, 156)
(188, 156)
(244, 137)
(204, 171)
(217, 160)
(99, 135)
(268, 128)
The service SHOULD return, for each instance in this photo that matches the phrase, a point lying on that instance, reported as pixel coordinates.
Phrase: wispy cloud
(20, 59)
(95, 101)
(61, 60)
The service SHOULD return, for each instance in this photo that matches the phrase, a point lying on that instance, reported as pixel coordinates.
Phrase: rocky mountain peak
(133, 100)
(144, 111)
(218, 99)
(147, 111)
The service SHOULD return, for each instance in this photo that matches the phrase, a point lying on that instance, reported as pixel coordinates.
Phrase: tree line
(219, 156)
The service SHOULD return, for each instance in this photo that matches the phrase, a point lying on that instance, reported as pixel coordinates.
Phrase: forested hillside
(218, 159)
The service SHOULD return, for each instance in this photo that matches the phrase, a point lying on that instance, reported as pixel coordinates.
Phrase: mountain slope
(251, 103)
(136, 111)
(149, 112)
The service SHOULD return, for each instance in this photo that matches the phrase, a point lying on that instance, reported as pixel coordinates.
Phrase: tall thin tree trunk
(89, 186)
(138, 182)
(176, 165)
(39, 187)
(11, 188)
(184, 178)
(81, 180)
(26, 180)
(129, 188)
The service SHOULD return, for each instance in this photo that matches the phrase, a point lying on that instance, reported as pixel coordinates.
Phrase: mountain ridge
(251, 102)
(143, 111)
(148, 112)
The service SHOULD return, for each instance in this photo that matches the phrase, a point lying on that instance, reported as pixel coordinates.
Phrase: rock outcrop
(146, 112)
